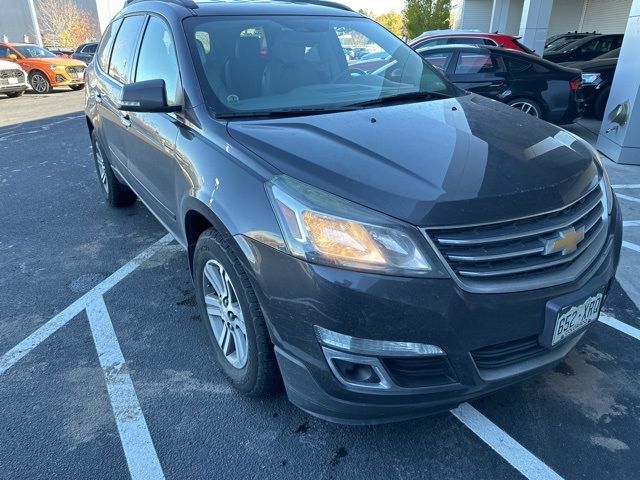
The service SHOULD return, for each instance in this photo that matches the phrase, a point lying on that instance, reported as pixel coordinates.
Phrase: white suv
(13, 79)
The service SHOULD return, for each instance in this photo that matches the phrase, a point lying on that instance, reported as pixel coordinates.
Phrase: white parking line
(139, 451)
(631, 223)
(503, 444)
(61, 319)
(631, 246)
(637, 185)
(627, 197)
(620, 326)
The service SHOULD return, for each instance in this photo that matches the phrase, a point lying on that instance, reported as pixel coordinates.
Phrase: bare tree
(64, 24)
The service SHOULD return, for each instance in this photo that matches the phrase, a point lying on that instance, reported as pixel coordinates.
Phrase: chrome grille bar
(514, 251)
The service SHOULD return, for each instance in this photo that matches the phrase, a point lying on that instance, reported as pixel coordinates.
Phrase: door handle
(125, 120)
(497, 84)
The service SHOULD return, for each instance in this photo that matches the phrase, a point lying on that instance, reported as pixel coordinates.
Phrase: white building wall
(515, 15)
(107, 9)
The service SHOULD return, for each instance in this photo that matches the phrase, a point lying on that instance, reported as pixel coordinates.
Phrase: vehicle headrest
(247, 47)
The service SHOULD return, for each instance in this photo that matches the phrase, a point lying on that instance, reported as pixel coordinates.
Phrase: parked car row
(24, 66)
(574, 75)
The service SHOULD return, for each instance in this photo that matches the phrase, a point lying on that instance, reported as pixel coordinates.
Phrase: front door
(153, 135)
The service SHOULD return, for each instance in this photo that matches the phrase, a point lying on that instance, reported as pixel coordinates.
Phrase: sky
(376, 6)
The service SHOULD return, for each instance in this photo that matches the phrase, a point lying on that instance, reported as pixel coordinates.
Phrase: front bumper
(21, 87)
(296, 296)
(62, 78)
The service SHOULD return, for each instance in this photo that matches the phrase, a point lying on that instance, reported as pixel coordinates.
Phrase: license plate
(575, 317)
(13, 81)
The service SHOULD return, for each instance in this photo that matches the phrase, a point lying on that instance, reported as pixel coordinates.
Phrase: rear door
(114, 67)
(482, 72)
(152, 136)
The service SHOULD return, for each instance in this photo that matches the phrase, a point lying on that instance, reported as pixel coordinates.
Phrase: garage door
(477, 14)
(606, 16)
(565, 16)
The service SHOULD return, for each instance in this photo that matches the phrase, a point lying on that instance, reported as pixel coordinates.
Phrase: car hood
(4, 65)
(65, 62)
(591, 65)
(459, 161)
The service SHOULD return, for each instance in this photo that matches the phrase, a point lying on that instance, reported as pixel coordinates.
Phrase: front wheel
(233, 318)
(75, 88)
(115, 193)
(528, 106)
(15, 94)
(40, 83)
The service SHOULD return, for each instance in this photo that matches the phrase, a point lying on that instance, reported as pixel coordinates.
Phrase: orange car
(45, 69)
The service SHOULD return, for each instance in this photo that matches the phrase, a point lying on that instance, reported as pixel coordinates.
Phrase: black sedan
(535, 86)
(85, 52)
(597, 76)
(585, 49)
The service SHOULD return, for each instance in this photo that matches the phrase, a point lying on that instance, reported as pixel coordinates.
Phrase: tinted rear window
(523, 47)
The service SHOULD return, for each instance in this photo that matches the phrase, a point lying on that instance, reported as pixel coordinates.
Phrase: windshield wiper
(409, 96)
(289, 112)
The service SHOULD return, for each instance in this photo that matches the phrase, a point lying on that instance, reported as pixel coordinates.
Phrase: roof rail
(185, 3)
(323, 3)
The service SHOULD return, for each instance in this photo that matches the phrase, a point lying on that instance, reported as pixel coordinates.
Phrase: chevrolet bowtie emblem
(566, 241)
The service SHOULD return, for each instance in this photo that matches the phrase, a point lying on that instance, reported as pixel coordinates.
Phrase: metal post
(36, 24)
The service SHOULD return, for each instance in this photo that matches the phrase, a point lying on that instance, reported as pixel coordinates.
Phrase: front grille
(5, 75)
(508, 353)
(516, 250)
(74, 70)
(417, 372)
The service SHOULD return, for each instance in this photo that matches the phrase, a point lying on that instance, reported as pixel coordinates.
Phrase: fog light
(380, 348)
(356, 372)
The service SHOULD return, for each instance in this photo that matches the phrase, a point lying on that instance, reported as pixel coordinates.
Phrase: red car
(457, 37)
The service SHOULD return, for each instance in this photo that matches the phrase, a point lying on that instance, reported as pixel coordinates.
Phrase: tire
(15, 94)
(39, 82)
(600, 104)
(115, 193)
(259, 374)
(76, 88)
(528, 106)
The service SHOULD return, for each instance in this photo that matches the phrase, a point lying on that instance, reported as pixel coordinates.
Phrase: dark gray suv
(386, 245)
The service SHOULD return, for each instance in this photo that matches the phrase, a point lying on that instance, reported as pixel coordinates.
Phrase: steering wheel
(350, 72)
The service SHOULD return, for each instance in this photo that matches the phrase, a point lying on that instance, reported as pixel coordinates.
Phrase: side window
(439, 60)
(466, 41)
(479, 63)
(491, 43)
(518, 66)
(104, 52)
(158, 60)
(435, 42)
(90, 48)
(4, 52)
(123, 48)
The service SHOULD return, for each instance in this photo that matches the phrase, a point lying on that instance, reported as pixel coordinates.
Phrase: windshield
(33, 51)
(297, 63)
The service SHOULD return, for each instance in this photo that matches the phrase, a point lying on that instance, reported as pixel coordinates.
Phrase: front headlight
(590, 78)
(322, 228)
(605, 182)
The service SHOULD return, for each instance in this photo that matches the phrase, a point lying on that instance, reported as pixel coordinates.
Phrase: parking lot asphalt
(65, 374)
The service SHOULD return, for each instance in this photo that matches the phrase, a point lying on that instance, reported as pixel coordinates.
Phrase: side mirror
(149, 96)
(13, 57)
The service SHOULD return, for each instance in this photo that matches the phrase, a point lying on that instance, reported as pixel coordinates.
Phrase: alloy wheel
(526, 107)
(39, 83)
(225, 314)
(102, 170)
